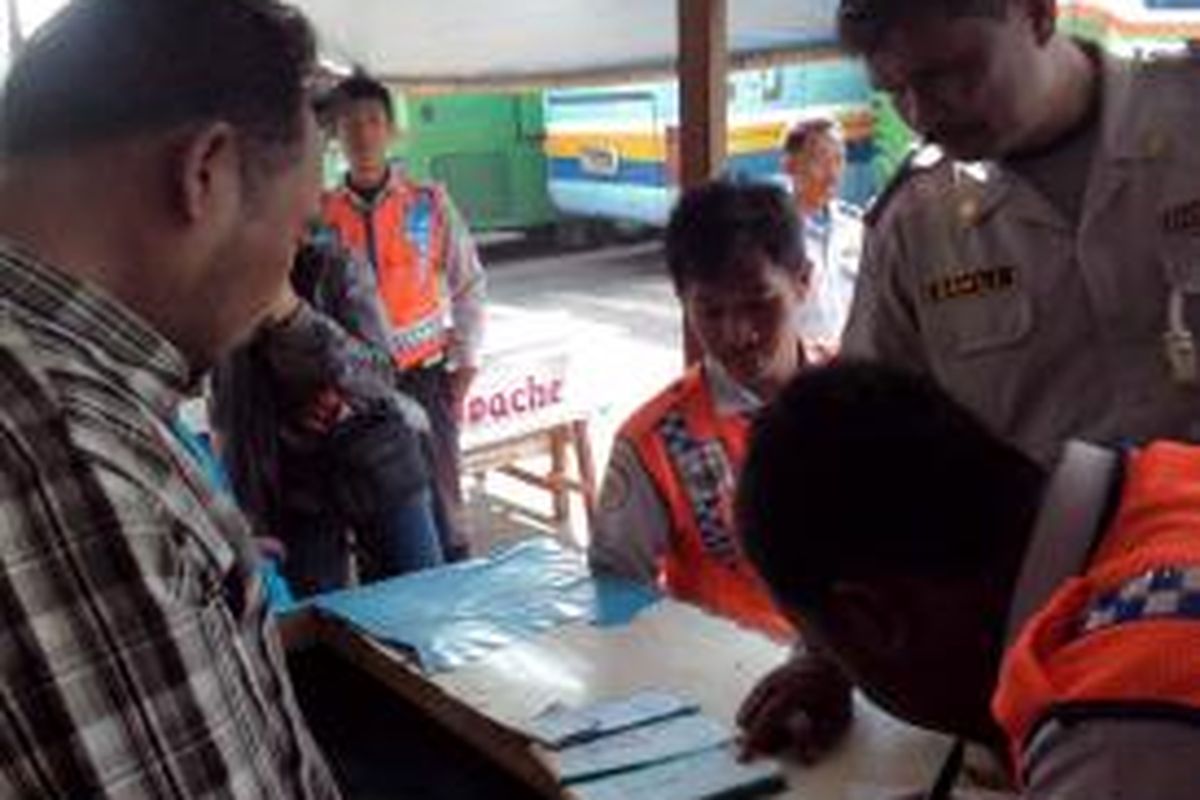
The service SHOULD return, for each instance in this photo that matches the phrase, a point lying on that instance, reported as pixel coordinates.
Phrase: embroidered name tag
(1183, 218)
(972, 284)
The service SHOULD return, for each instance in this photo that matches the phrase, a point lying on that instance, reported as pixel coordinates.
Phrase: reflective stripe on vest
(1112, 638)
(1166, 593)
(692, 454)
(403, 235)
(703, 468)
(414, 345)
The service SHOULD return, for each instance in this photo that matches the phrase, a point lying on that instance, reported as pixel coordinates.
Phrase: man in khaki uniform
(1041, 257)
(1051, 287)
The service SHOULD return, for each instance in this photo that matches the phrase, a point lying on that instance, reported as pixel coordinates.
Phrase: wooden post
(703, 76)
(703, 71)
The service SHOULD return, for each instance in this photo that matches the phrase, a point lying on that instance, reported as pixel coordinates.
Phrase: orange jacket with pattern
(1123, 637)
(693, 455)
(403, 234)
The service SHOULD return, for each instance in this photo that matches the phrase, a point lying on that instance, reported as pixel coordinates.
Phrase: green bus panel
(487, 150)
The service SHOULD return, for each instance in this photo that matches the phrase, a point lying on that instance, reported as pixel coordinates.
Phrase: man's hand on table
(801, 709)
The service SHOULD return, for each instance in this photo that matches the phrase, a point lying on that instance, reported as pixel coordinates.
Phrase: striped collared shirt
(137, 659)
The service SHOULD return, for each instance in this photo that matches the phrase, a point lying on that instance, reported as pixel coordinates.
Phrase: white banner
(516, 392)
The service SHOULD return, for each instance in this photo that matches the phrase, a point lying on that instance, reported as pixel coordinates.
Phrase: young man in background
(814, 159)
(429, 276)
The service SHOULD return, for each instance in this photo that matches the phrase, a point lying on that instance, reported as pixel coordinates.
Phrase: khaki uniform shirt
(1046, 329)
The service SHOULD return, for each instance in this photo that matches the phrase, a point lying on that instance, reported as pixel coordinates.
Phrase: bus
(613, 152)
(1135, 28)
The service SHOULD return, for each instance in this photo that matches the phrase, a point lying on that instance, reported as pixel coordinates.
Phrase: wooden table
(672, 646)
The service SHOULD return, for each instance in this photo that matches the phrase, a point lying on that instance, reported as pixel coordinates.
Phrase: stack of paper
(651, 744)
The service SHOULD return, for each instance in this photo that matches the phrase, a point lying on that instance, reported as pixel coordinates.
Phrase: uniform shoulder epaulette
(919, 160)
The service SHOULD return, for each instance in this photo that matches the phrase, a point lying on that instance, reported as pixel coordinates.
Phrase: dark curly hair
(860, 470)
(715, 226)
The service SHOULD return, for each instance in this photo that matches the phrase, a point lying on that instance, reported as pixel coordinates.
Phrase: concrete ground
(616, 309)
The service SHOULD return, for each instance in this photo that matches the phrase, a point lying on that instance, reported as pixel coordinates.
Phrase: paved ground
(616, 308)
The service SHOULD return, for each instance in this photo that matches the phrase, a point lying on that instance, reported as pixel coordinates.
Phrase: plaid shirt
(137, 659)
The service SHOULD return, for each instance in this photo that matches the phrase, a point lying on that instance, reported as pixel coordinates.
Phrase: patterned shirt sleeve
(631, 531)
(310, 351)
(354, 302)
(136, 657)
(466, 285)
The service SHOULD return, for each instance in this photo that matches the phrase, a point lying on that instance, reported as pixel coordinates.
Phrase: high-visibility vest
(402, 234)
(694, 455)
(1124, 637)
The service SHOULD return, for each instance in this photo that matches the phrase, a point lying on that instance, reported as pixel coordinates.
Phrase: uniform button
(968, 211)
(1155, 144)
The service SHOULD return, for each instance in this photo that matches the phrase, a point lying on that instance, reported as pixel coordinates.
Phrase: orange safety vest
(693, 456)
(402, 234)
(1124, 637)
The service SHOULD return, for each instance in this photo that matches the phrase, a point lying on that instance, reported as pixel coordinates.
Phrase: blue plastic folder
(453, 615)
(651, 744)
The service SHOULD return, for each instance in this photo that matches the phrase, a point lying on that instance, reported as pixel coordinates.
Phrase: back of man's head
(714, 228)
(103, 70)
(863, 24)
(859, 471)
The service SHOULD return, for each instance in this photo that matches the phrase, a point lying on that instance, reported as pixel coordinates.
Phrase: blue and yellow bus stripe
(639, 157)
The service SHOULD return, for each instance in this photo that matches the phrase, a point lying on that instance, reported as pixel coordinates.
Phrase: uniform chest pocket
(975, 313)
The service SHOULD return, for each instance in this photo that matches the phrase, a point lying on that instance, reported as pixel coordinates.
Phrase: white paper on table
(648, 744)
(558, 726)
(709, 774)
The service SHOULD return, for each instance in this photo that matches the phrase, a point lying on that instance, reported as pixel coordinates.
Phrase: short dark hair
(103, 69)
(361, 86)
(715, 226)
(859, 470)
(800, 134)
(863, 24)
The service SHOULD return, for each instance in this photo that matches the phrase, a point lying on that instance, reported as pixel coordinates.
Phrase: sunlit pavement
(614, 313)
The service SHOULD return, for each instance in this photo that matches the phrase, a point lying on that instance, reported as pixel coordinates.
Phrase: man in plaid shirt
(157, 163)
